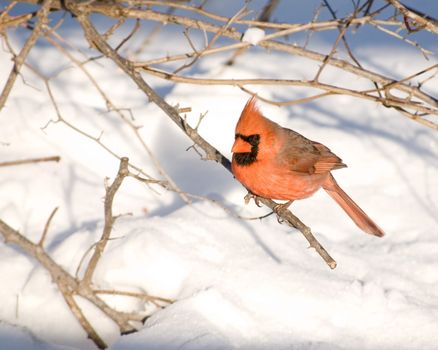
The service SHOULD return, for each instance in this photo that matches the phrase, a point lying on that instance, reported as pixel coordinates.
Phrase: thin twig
(142, 296)
(287, 103)
(264, 16)
(30, 161)
(217, 35)
(130, 35)
(46, 227)
(97, 139)
(332, 51)
(109, 220)
(426, 53)
(367, 7)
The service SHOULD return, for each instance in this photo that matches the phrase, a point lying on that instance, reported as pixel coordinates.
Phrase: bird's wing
(304, 156)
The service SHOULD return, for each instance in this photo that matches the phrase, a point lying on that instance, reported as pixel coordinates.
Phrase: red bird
(278, 163)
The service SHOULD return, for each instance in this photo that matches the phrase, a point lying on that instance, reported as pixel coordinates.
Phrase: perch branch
(295, 222)
(96, 39)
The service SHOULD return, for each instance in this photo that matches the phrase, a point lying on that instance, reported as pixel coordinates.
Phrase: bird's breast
(268, 180)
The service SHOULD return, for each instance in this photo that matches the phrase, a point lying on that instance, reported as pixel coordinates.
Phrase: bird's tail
(359, 217)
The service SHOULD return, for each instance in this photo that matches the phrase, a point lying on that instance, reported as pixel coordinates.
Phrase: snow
(253, 35)
(238, 284)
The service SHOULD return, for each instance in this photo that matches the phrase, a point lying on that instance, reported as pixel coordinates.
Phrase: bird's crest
(251, 119)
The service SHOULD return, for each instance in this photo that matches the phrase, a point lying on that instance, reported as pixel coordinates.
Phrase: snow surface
(238, 284)
(253, 35)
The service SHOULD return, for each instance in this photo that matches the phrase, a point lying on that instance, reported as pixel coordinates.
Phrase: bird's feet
(250, 196)
(279, 209)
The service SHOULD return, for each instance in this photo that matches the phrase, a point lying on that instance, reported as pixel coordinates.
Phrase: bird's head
(253, 132)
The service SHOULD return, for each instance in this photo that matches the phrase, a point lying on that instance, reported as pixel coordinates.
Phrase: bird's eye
(254, 139)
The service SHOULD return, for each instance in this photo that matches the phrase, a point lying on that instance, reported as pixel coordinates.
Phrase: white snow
(238, 284)
(253, 35)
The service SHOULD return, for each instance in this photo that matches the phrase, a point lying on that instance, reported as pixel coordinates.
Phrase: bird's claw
(279, 219)
(250, 196)
(279, 209)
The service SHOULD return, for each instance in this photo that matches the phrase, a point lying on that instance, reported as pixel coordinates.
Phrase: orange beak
(241, 146)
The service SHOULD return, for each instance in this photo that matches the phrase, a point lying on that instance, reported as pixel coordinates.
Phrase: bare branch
(67, 284)
(109, 220)
(388, 101)
(30, 161)
(275, 45)
(76, 310)
(288, 103)
(217, 35)
(12, 21)
(332, 51)
(30, 42)
(428, 22)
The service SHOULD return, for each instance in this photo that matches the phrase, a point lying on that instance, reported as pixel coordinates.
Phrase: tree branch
(30, 42)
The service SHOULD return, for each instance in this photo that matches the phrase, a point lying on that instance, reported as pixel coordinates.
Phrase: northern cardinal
(278, 163)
